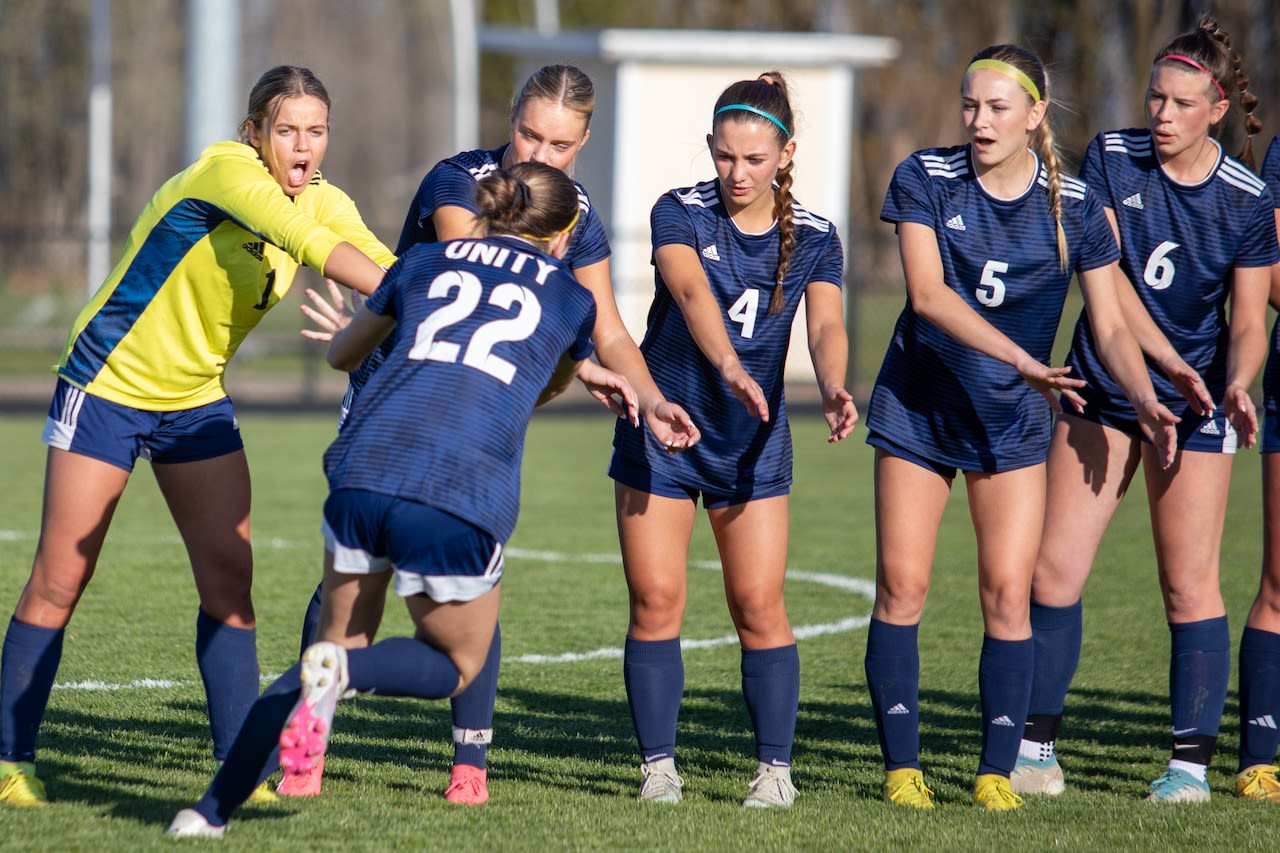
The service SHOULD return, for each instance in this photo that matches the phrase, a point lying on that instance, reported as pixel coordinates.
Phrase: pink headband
(1196, 65)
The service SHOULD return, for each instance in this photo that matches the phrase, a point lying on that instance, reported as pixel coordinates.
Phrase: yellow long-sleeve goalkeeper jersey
(215, 248)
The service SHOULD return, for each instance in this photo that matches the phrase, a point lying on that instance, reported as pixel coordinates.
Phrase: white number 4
(744, 311)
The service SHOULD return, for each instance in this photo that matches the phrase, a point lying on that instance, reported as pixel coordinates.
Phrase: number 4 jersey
(946, 401)
(738, 453)
(1180, 243)
(481, 325)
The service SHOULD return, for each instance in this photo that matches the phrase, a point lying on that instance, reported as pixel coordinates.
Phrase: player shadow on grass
(1113, 741)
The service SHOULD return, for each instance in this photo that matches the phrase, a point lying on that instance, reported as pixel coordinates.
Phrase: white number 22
(479, 353)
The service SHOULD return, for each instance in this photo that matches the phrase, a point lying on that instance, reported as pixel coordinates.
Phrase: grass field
(125, 743)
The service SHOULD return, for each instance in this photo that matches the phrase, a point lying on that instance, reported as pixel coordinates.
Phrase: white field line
(857, 586)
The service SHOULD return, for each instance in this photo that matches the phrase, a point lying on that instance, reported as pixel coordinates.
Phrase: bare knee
(50, 597)
(657, 611)
(761, 620)
(1055, 584)
(1006, 611)
(900, 598)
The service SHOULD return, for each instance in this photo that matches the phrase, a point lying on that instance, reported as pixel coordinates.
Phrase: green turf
(564, 772)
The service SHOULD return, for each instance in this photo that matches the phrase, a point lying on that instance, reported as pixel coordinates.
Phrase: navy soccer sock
(653, 672)
(1057, 633)
(771, 688)
(472, 710)
(228, 661)
(1004, 682)
(1198, 668)
(892, 665)
(311, 621)
(1259, 697)
(402, 666)
(255, 753)
(27, 668)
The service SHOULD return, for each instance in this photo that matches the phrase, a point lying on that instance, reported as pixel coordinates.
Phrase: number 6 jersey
(1180, 243)
(937, 397)
(738, 453)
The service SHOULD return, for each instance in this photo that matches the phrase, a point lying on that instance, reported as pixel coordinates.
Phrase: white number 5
(990, 290)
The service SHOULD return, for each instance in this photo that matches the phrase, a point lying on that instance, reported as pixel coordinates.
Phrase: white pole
(99, 250)
(466, 75)
(546, 16)
(213, 73)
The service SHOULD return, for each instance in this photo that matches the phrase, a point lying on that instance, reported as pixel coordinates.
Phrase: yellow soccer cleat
(906, 787)
(19, 785)
(263, 795)
(994, 793)
(1259, 783)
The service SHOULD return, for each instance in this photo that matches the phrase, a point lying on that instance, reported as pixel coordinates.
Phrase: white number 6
(1159, 272)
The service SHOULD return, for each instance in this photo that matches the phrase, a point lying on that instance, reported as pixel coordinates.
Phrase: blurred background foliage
(388, 67)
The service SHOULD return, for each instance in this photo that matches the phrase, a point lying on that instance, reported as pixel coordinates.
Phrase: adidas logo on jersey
(1134, 201)
(898, 709)
(710, 253)
(254, 249)
(1210, 428)
(1266, 721)
(1002, 720)
(956, 223)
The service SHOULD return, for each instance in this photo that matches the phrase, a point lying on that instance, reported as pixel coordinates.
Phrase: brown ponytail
(530, 200)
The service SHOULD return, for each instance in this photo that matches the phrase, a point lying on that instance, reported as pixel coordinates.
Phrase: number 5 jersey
(937, 397)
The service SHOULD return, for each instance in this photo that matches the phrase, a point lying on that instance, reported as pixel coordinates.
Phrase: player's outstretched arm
(616, 349)
(683, 274)
(611, 389)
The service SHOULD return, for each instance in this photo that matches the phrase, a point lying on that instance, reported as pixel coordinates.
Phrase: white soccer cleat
(771, 788)
(1036, 776)
(189, 823)
(661, 783)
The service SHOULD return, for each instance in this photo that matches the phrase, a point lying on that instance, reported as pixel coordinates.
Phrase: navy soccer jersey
(938, 398)
(1179, 244)
(738, 454)
(483, 323)
(1271, 378)
(452, 183)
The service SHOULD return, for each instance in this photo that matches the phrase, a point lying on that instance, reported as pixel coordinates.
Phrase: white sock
(1035, 750)
(1196, 770)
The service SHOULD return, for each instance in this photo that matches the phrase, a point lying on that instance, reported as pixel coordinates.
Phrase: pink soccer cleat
(306, 735)
(468, 785)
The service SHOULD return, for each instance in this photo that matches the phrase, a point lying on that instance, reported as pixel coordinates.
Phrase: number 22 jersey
(481, 326)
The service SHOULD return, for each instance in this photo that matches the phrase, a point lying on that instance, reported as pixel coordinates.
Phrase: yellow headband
(1009, 71)
(572, 222)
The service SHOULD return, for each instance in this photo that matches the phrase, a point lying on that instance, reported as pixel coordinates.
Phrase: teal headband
(758, 112)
